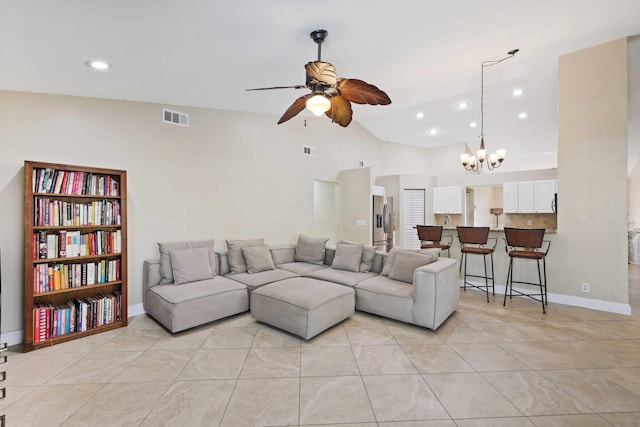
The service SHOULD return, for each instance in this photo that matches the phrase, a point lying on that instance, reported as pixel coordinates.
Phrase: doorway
(325, 218)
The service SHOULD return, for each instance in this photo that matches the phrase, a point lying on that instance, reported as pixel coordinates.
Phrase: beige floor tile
(376, 360)
(402, 397)
(241, 320)
(460, 333)
(13, 394)
(570, 421)
(192, 403)
(411, 334)
(241, 337)
(488, 357)
(327, 361)
(501, 332)
(436, 359)
(621, 329)
(629, 419)
(49, 405)
(584, 329)
(619, 346)
(267, 362)
(155, 366)
(191, 339)
(29, 371)
(365, 333)
(542, 331)
(431, 423)
(99, 368)
(588, 355)
(119, 404)
(134, 340)
(143, 322)
(266, 336)
(532, 394)
(263, 402)
(628, 378)
(85, 345)
(496, 422)
(468, 395)
(539, 356)
(597, 392)
(325, 400)
(215, 364)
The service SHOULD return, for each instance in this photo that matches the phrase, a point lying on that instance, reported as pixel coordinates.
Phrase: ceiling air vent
(308, 151)
(362, 164)
(175, 117)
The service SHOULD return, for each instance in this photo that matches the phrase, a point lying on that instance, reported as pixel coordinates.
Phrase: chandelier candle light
(474, 163)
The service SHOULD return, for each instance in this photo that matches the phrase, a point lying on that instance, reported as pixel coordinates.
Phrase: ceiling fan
(330, 95)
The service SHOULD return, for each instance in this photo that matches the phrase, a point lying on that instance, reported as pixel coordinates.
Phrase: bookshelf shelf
(75, 252)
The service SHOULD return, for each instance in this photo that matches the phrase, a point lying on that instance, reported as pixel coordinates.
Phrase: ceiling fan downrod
(318, 36)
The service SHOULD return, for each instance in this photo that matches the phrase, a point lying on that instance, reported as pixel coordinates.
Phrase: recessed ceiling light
(473, 124)
(463, 105)
(522, 115)
(433, 131)
(97, 64)
(517, 92)
(419, 115)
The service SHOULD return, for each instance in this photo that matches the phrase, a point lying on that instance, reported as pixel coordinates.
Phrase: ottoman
(302, 306)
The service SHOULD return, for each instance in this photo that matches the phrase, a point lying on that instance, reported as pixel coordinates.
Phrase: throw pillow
(190, 265)
(166, 269)
(388, 262)
(405, 264)
(258, 258)
(347, 257)
(236, 259)
(310, 249)
(368, 254)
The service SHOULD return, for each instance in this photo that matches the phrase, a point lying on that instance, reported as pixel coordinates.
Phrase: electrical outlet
(584, 287)
(528, 222)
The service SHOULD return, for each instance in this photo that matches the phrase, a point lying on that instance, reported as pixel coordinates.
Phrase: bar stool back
(431, 237)
(527, 243)
(473, 241)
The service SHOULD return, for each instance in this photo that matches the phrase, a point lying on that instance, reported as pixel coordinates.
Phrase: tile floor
(486, 366)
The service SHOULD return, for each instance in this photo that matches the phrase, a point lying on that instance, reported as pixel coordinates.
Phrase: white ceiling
(425, 54)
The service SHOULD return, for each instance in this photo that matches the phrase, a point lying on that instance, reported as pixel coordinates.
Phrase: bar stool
(526, 243)
(431, 237)
(473, 241)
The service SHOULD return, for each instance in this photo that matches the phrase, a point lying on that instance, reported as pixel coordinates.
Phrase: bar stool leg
(493, 281)
(486, 277)
(542, 290)
(506, 289)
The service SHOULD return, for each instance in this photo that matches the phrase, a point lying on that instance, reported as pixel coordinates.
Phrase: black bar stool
(473, 241)
(431, 237)
(526, 243)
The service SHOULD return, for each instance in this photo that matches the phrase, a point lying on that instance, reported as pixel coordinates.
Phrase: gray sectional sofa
(191, 284)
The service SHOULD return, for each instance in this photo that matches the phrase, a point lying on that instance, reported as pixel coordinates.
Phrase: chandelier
(474, 163)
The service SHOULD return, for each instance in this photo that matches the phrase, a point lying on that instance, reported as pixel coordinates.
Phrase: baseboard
(593, 304)
(16, 337)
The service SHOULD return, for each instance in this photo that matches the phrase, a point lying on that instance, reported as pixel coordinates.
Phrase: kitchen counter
(500, 229)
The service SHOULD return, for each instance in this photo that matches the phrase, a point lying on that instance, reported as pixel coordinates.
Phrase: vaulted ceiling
(425, 55)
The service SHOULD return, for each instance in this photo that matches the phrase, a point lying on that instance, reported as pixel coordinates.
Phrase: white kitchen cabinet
(528, 196)
(544, 195)
(447, 200)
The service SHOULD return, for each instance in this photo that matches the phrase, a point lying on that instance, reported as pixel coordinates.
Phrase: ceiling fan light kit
(330, 95)
(475, 163)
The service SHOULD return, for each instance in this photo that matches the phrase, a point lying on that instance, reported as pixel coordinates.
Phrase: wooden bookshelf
(75, 252)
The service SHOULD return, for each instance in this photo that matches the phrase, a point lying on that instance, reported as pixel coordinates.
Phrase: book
(62, 251)
(51, 246)
(42, 244)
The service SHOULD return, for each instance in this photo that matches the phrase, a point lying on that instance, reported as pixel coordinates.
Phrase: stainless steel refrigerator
(383, 223)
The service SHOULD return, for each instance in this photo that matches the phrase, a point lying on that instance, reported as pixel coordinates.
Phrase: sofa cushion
(258, 258)
(368, 254)
(300, 268)
(166, 269)
(386, 286)
(255, 280)
(190, 265)
(236, 259)
(310, 249)
(342, 277)
(195, 290)
(388, 261)
(405, 263)
(347, 257)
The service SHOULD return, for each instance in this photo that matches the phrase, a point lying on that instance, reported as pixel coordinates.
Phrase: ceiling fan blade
(340, 111)
(361, 92)
(280, 87)
(297, 106)
(320, 72)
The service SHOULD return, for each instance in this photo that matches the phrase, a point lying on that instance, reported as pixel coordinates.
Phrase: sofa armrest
(150, 276)
(436, 292)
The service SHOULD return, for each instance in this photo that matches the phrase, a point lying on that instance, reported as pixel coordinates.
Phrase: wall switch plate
(361, 222)
(584, 287)
(528, 222)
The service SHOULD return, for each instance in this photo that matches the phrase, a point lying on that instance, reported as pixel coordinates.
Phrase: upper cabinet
(447, 200)
(529, 196)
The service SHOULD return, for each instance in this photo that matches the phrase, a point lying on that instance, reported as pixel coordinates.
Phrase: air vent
(362, 164)
(175, 117)
(308, 151)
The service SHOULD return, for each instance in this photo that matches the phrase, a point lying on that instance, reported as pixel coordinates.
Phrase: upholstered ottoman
(302, 306)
